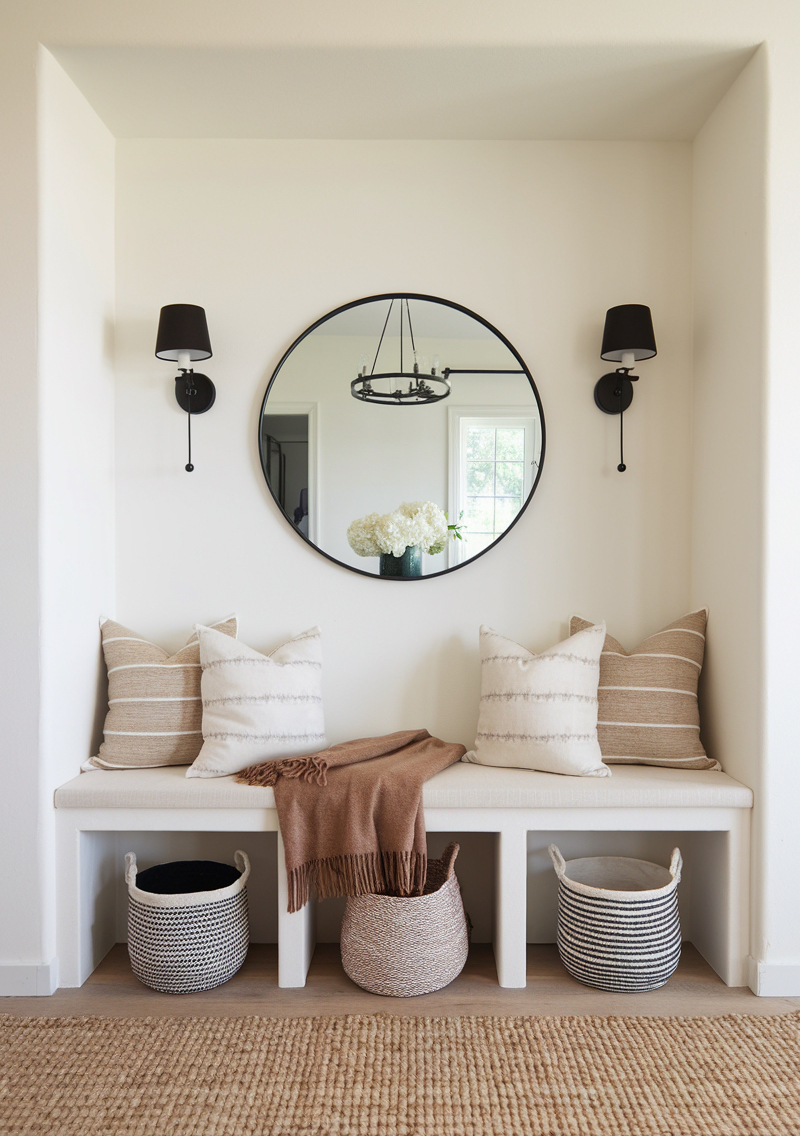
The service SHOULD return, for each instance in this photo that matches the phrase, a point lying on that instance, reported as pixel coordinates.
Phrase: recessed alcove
(538, 187)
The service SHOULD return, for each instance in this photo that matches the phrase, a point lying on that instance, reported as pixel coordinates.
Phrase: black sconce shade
(628, 330)
(182, 330)
(627, 336)
(183, 337)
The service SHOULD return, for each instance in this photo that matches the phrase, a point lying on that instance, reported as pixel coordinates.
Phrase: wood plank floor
(113, 990)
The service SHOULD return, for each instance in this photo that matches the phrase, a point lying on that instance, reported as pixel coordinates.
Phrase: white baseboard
(26, 980)
(773, 980)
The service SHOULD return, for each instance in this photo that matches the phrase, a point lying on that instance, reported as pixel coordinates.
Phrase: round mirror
(402, 436)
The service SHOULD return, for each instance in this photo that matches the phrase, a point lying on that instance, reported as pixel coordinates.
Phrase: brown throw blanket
(351, 817)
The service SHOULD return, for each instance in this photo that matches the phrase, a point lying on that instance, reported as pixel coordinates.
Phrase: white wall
(747, 469)
(76, 414)
(777, 954)
(729, 245)
(539, 238)
(20, 936)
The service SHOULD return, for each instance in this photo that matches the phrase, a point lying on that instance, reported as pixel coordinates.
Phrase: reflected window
(492, 470)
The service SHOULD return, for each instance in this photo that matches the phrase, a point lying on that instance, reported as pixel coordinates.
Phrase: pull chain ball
(190, 467)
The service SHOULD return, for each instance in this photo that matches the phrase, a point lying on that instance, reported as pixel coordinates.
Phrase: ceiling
(628, 93)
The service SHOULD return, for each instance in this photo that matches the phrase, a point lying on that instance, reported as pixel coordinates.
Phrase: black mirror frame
(396, 296)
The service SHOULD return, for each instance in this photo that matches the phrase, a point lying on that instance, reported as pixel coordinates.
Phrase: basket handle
(675, 865)
(559, 863)
(130, 869)
(242, 862)
(449, 858)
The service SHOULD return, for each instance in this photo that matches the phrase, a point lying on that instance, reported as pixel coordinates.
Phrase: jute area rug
(382, 1075)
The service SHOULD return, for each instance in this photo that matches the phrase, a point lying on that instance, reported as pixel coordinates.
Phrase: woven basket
(618, 923)
(182, 942)
(404, 946)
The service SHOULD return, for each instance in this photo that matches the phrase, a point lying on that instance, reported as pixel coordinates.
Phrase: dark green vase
(409, 564)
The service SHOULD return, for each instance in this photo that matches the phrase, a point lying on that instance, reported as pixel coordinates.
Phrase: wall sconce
(183, 338)
(628, 336)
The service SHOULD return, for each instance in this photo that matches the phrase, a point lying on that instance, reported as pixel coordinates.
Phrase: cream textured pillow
(648, 712)
(154, 709)
(540, 711)
(257, 707)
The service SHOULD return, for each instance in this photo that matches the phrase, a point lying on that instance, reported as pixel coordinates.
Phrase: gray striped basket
(182, 943)
(618, 924)
(402, 946)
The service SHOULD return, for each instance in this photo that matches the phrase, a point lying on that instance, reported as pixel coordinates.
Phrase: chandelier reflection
(402, 387)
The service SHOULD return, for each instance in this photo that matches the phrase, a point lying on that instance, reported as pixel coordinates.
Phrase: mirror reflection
(401, 435)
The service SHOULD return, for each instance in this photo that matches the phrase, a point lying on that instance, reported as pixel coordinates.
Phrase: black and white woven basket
(618, 923)
(182, 942)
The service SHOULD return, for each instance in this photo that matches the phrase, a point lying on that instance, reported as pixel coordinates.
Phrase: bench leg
(296, 932)
(69, 917)
(721, 898)
(510, 928)
(85, 912)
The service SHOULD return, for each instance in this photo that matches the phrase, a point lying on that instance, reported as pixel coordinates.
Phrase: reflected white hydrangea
(414, 522)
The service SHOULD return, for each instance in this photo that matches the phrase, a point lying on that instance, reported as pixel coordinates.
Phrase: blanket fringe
(368, 873)
(266, 773)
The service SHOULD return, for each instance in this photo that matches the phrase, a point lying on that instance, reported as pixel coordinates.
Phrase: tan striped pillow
(154, 706)
(647, 699)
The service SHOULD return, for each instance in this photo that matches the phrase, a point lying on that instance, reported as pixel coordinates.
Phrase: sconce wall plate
(605, 392)
(204, 392)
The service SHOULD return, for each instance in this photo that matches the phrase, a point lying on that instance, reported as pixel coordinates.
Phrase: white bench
(462, 798)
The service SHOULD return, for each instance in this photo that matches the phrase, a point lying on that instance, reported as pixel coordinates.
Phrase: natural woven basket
(180, 943)
(404, 946)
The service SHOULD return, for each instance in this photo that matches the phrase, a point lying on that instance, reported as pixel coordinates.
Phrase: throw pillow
(540, 711)
(258, 707)
(648, 713)
(154, 708)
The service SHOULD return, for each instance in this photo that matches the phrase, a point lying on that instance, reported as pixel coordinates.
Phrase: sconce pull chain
(621, 467)
(189, 392)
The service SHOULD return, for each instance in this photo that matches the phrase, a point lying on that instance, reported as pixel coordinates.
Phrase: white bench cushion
(460, 786)
(633, 786)
(164, 788)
